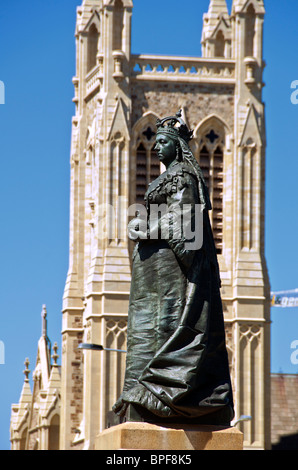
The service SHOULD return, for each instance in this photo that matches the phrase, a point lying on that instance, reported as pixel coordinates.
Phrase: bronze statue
(177, 365)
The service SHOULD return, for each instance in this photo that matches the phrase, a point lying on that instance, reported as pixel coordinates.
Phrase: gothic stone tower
(118, 97)
(35, 419)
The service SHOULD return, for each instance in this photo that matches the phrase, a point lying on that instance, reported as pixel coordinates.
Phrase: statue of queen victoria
(177, 367)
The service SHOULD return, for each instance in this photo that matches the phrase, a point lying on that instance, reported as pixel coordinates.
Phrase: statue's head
(175, 128)
(168, 143)
(166, 148)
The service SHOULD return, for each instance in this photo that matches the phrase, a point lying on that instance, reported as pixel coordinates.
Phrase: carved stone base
(145, 436)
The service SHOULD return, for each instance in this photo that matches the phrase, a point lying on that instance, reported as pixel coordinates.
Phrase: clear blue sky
(37, 63)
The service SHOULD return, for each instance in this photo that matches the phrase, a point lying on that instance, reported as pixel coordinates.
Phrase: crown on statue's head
(172, 129)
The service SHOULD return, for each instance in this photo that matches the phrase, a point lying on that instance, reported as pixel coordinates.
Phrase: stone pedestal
(145, 436)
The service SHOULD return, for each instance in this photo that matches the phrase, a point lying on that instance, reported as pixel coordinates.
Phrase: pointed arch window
(118, 25)
(219, 47)
(205, 163)
(250, 31)
(54, 433)
(141, 176)
(23, 439)
(93, 36)
(211, 162)
(116, 333)
(147, 162)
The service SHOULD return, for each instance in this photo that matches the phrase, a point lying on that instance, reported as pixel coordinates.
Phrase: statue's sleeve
(181, 225)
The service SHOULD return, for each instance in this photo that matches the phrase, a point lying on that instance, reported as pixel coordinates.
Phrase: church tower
(35, 420)
(97, 288)
(251, 289)
(118, 97)
(245, 289)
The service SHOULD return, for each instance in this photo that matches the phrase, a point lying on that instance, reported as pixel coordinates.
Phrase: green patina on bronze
(177, 364)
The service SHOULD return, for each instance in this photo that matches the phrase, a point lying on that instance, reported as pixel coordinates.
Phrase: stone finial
(27, 371)
(55, 355)
(216, 7)
(44, 321)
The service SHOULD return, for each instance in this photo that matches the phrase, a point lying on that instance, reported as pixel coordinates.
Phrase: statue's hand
(120, 407)
(140, 395)
(136, 229)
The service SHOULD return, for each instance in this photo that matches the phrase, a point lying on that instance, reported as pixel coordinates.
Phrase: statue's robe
(177, 364)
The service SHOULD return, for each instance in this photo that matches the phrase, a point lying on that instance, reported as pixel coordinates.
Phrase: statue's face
(165, 148)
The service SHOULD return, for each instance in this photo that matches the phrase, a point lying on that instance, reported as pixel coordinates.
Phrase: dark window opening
(92, 47)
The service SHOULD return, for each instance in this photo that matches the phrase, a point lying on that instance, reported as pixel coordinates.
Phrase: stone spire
(216, 34)
(55, 355)
(236, 4)
(44, 348)
(27, 371)
(26, 395)
(20, 411)
(86, 11)
(54, 385)
(55, 380)
(44, 321)
(217, 9)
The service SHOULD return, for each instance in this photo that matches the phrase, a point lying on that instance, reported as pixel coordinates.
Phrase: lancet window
(250, 31)
(219, 50)
(147, 162)
(118, 25)
(211, 147)
(93, 36)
